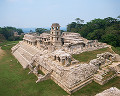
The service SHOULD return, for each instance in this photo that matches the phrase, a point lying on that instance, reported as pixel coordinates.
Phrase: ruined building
(52, 54)
(113, 91)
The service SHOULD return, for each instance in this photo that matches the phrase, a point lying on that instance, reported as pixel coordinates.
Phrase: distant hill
(27, 30)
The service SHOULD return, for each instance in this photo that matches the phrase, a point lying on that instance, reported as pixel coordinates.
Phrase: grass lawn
(87, 56)
(14, 81)
(94, 88)
(6, 45)
(116, 50)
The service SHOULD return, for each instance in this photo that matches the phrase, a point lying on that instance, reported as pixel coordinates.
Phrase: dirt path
(1, 53)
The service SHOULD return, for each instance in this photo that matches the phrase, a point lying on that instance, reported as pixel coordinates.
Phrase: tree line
(8, 33)
(104, 30)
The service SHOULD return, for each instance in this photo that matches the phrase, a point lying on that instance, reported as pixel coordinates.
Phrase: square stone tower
(55, 35)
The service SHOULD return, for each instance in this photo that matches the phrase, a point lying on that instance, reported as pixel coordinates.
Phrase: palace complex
(52, 54)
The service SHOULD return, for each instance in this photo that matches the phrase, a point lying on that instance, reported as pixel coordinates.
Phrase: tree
(41, 30)
(110, 39)
(0, 30)
(8, 32)
(79, 21)
(118, 17)
(105, 30)
(31, 31)
(70, 26)
(110, 21)
(19, 31)
(96, 34)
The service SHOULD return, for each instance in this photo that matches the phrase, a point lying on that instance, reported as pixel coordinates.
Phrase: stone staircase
(23, 61)
(43, 77)
(24, 53)
(31, 49)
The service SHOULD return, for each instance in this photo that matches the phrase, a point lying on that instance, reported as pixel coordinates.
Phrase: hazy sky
(42, 13)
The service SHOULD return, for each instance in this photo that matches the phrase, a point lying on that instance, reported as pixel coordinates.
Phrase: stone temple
(52, 54)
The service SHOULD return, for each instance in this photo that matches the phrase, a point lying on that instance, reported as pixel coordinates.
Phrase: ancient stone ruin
(52, 54)
(113, 91)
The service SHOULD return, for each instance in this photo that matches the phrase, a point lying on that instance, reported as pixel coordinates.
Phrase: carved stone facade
(52, 54)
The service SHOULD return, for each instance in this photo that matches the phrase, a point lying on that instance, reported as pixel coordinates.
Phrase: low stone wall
(74, 89)
(102, 82)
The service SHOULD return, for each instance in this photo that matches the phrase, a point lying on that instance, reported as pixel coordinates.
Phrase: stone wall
(113, 91)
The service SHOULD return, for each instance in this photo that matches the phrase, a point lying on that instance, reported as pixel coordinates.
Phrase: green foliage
(8, 33)
(74, 27)
(93, 88)
(19, 31)
(98, 29)
(70, 26)
(0, 30)
(109, 74)
(116, 50)
(79, 21)
(41, 30)
(96, 34)
(2, 38)
(110, 39)
(7, 45)
(87, 56)
(118, 17)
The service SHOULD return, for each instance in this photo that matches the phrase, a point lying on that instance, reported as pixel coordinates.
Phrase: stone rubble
(113, 91)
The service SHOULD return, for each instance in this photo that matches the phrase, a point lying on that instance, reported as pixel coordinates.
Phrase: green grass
(109, 74)
(94, 88)
(15, 81)
(40, 72)
(87, 56)
(7, 45)
(116, 50)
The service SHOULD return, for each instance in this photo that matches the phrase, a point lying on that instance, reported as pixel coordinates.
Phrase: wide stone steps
(31, 49)
(24, 53)
(21, 59)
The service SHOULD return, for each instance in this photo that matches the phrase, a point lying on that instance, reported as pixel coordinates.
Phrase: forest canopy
(8, 33)
(104, 30)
